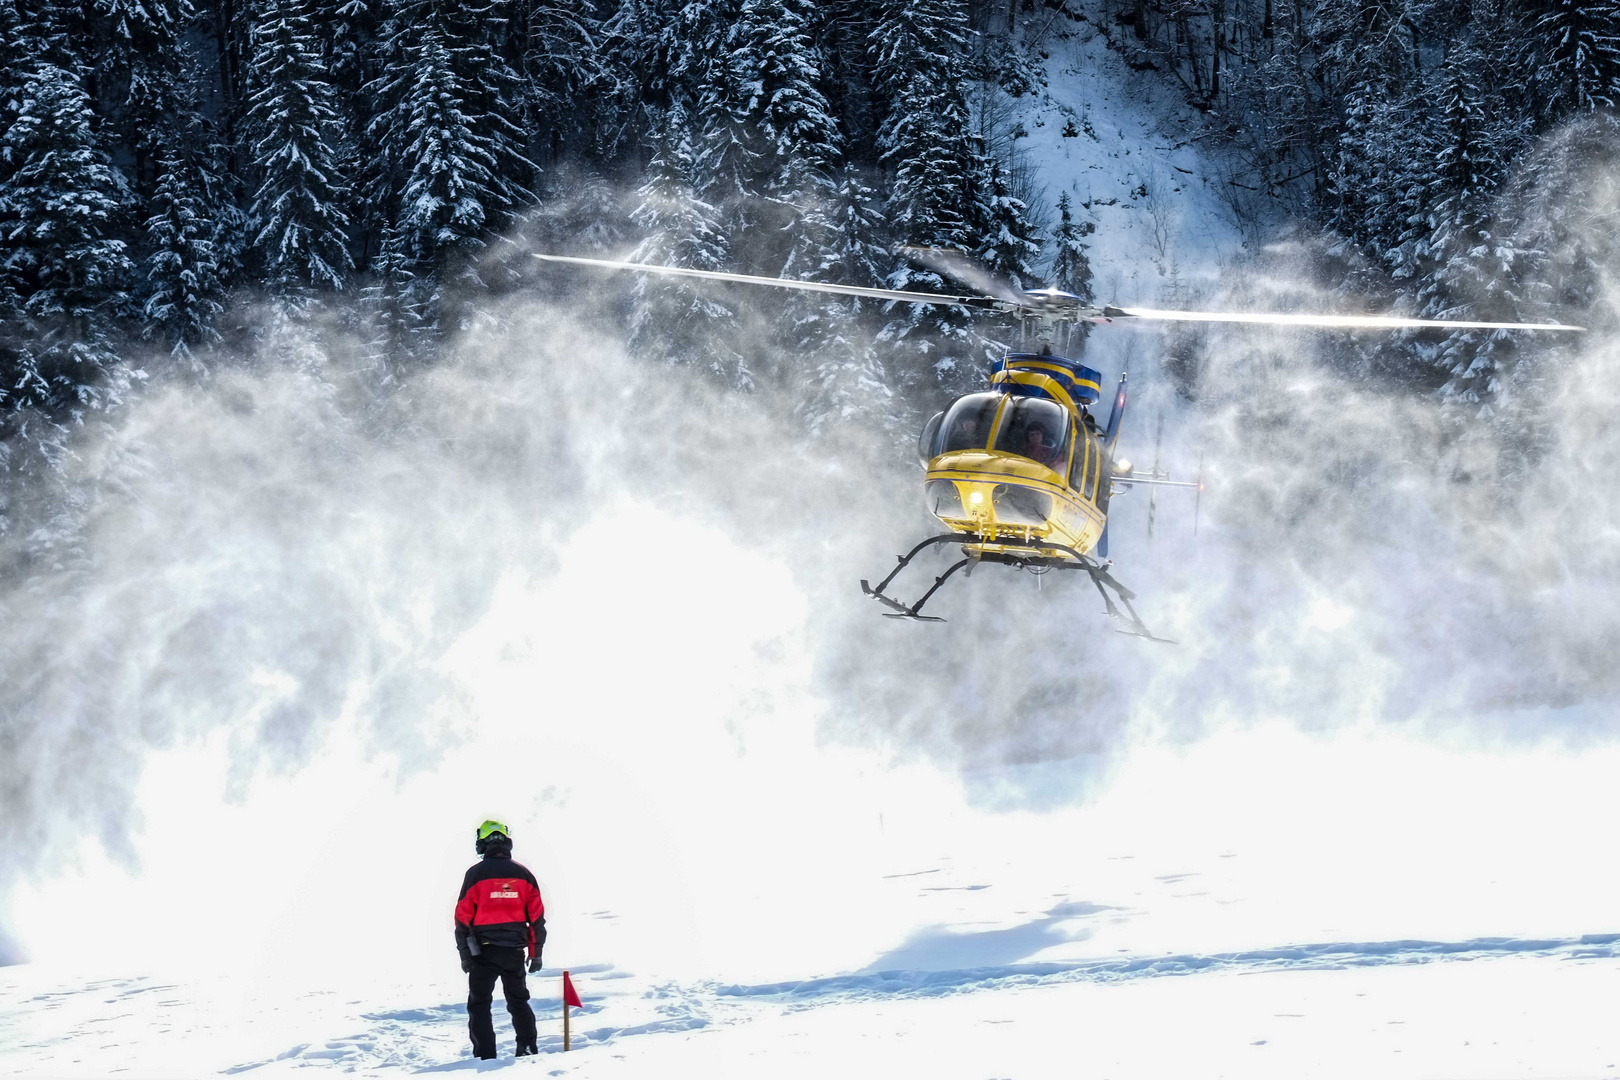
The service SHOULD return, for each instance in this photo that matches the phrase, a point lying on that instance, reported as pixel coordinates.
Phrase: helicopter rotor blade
(1002, 296)
(781, 283)
(964, 268)
(1342, 322)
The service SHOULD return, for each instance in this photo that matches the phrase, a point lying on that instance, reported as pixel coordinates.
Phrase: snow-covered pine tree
(1501, 51)
(395, 310)
(182, 269)
(860, 248)
(297, 216)
(565, 78)
(1462, 172)
(769, 150)
(448, 121)
(144, 66)
(1471, 275)
(62, 272)
(919, 50)
(1011, 246)
(843, 31)
(771, 145)
(1555, 241)
(14, 65)
(346, 29)
(1380, 198)
(12, 55)
(346, 35)
(659, 53)
(670, 320)
(448, 168)
(725, 170)
(1370, 183)
(1070, 257)
(59, 32)
(849, 382)
(485, 37)
(1578, 56)
(596, 214)
(1070, 253)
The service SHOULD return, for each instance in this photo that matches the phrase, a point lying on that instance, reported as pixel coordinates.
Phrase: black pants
(505, 964)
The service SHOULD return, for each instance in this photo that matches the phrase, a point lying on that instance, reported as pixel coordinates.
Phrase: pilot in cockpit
(966, 432)
(1038, 447)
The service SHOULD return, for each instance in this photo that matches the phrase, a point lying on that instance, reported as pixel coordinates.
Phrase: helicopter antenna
(1153, 495)
(1198, 497)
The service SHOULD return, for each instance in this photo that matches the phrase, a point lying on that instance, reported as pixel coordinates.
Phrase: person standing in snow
(498, 916)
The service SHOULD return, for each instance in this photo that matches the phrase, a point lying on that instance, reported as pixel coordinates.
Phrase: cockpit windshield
(967, 423)
(1037, 429)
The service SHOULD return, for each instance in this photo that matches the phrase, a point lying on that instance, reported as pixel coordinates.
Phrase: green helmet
(492, 832)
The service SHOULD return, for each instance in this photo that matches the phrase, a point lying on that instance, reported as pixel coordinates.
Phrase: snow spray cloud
(283, 551)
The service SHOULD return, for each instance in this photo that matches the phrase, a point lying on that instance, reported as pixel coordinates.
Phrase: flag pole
(565, 1013)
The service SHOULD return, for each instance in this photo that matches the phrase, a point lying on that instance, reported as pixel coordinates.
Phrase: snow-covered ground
(739, 894)
(1488, 1009)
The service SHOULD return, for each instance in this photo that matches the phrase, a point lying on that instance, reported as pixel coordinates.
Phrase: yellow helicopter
(1021, 474)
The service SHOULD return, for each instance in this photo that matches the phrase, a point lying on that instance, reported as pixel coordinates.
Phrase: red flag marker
(570, 995)
(570, 1001)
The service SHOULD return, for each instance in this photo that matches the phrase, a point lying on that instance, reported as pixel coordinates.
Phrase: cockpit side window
(1037, 429)
(1083, 452)
(967, 423)
(929, 438)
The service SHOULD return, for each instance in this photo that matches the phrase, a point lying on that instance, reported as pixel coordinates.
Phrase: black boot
(525, 1051)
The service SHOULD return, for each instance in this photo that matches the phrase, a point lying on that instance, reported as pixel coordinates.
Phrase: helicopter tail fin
(1115, 418)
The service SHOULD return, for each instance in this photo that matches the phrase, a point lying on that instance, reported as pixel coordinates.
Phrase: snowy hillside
(1121, 143)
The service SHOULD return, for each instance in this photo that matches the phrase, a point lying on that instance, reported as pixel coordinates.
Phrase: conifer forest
(177, 176)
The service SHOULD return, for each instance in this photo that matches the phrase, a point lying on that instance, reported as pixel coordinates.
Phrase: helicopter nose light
(976, 498)
(1123, 467)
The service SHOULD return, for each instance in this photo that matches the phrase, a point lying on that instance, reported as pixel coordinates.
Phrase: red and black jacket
(500, 905)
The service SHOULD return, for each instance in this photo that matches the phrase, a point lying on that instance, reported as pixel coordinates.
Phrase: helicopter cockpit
(1030, 427)
(1037, 429)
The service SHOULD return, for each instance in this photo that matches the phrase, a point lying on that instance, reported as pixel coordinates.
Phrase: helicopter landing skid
(1104, 581)
(1098, 572)
(901, 611)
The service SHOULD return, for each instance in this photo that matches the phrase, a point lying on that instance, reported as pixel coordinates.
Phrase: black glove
(534, 962)
(466, 964)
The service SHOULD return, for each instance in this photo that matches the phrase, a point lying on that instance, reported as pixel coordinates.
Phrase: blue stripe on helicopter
(1080, 382)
